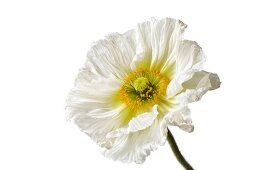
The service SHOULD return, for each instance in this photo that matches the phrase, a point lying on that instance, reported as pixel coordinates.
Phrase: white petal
(94, 90)
(89, 106)
(189, 60)
(197, 86)
(135, 147)
(143, 46)
(137, 123)
(143, 121)
(97, 128)
(173, 88)
(113, 55)
(157, 42)
(181, 118)
(165, 38)
(190, 57)
(203, 79)
(193, 90)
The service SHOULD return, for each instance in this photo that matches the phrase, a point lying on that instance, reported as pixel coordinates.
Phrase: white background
(44, 43)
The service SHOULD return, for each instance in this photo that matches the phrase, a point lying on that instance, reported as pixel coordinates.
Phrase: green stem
(177, 152)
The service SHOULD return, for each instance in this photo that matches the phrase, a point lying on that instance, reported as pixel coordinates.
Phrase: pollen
(142, 89)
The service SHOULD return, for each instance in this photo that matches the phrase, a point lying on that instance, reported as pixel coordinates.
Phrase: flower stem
(177, 152)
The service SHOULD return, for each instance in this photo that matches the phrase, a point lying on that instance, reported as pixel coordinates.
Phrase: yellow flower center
(142, 89)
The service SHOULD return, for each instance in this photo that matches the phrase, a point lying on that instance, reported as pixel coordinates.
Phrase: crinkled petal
(157, 41)
(203, 79)
(136, 146)
(95, 91)
(143, 121)
(89, 106)
(193, 90)
(180, 117)
(97, 128)
(197, 86)
(112, 55)
(140, 122)
(143, 46)
(189, 60)
(165, 38)
(190, 57)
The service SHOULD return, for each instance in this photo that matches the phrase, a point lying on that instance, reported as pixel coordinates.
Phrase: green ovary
(141, 83)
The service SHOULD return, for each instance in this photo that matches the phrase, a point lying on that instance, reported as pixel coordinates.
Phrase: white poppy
(134, 85)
